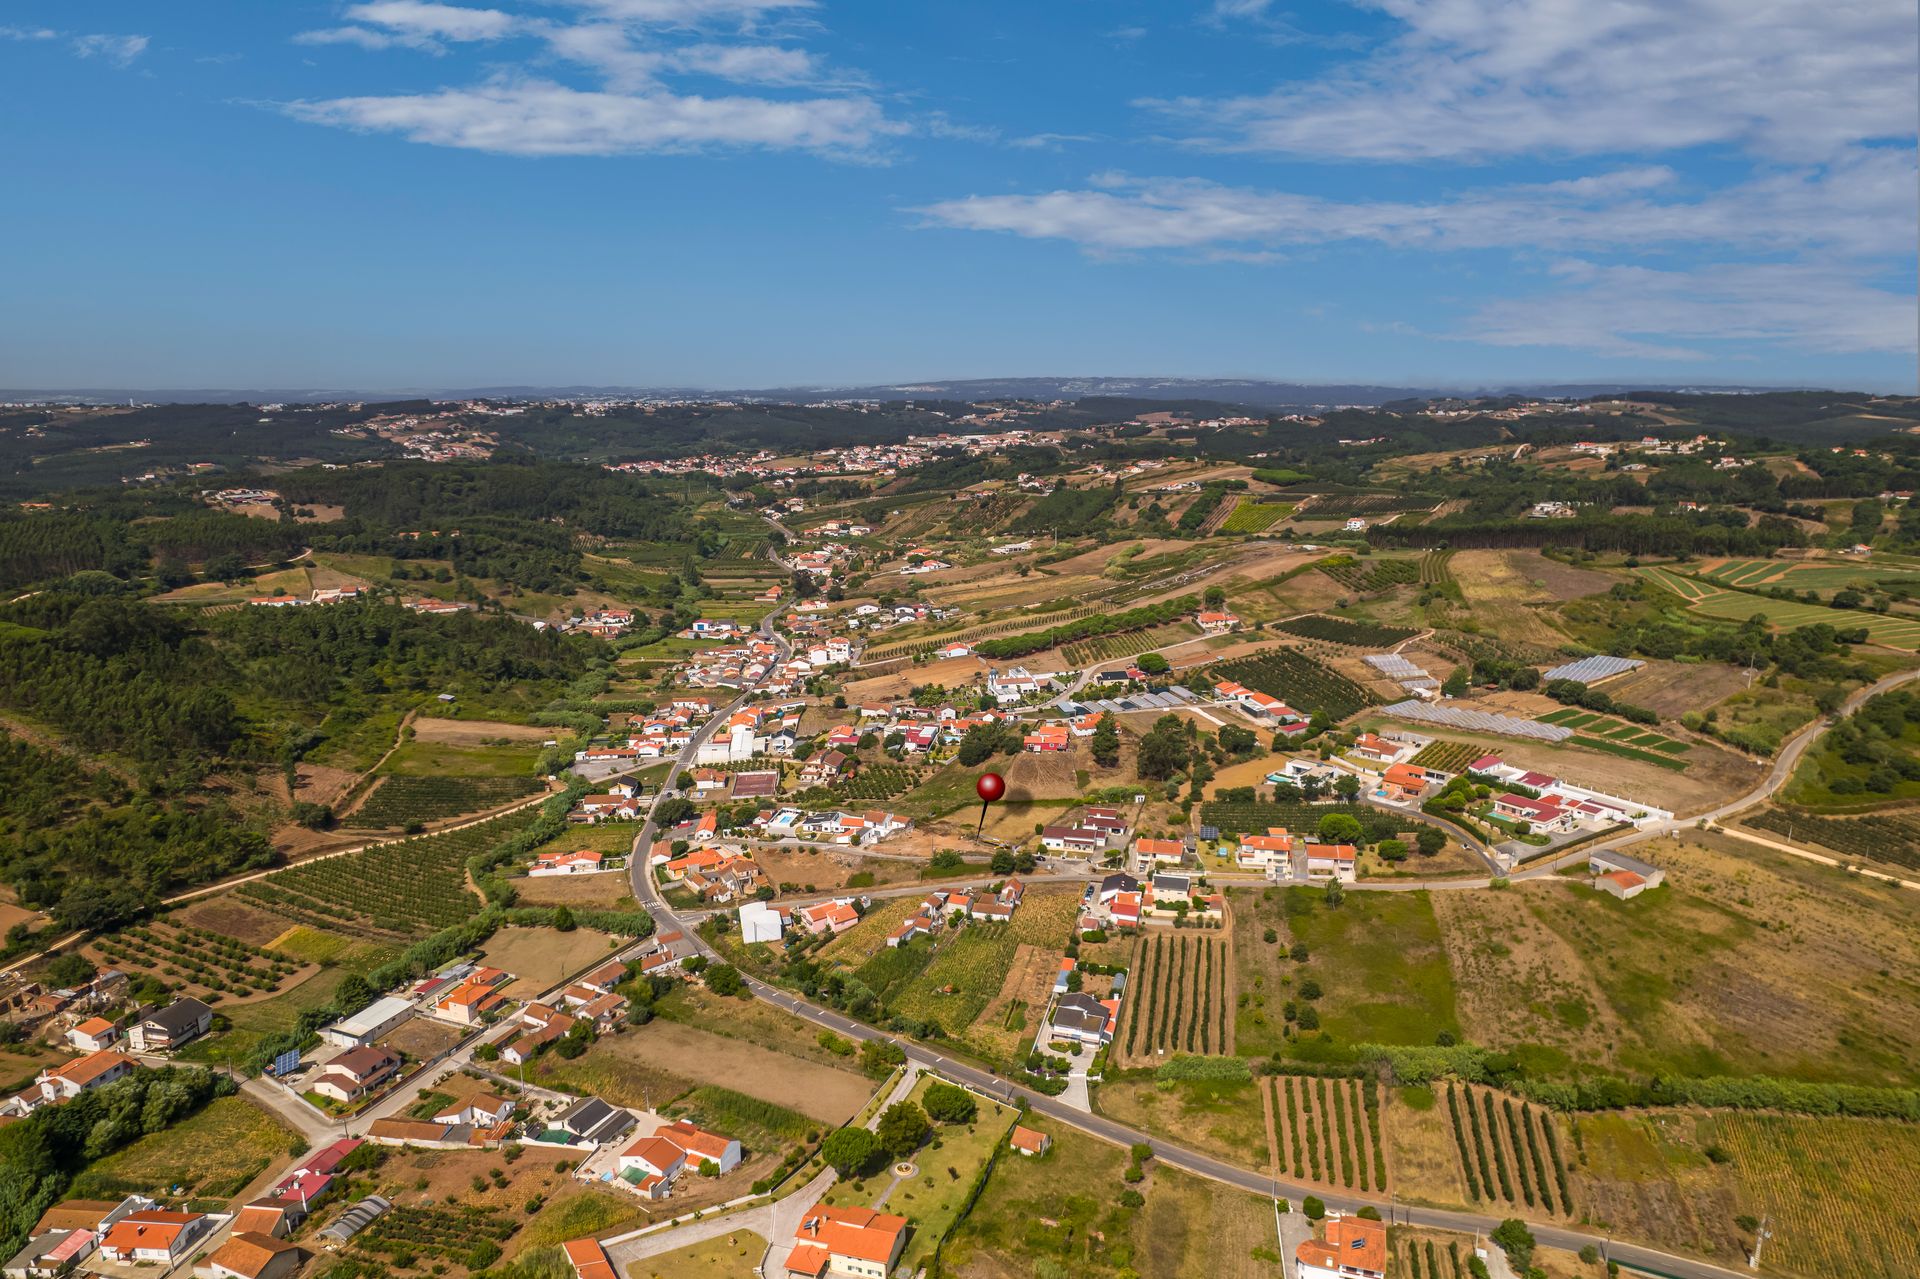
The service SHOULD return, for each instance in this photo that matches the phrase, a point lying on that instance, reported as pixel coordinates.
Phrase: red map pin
(990, 787)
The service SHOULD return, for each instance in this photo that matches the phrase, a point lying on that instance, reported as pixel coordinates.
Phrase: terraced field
(1613, 730)
(1817, 576)
(1889, 631)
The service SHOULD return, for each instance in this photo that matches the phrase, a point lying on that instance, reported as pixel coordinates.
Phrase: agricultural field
(198, 961)
(1341, 630)
(211, 1155)
(540, 957)
(1180, 991)
(1744, 962)
(1434, 570)
(1346, 506)
(398, 801)
(1370, 574)
(1887, 630)
(1255, 517)
(1589, 724)
(441, 1234)
(1060, 1210)
(1220, 1117)
(1447, 757)
(970, 964)
(404, 888)
(1816, 575)
(873, 782)
(424, 756)
(1889, 838)
(1511, 1154)
(1381, 963)
(1329, 1131)
(1114, 648)
(1298, 680)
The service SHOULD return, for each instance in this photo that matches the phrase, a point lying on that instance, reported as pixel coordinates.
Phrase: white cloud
(1637, 312)
(28, 33)
(634, 49)
(1480, 79)
(119, 50)
(542, 119)
(444, 21)
(1860, 206)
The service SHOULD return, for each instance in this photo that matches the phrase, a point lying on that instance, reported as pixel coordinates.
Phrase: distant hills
(1250, 392)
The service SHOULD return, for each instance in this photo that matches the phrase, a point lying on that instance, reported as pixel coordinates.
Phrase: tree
(1309, 1017)
(353, 994)
(1215, 598)
(880, 1056)
(1106, 741)
(1430, 840)
(562, 920)
(950, 1104)
(1456, 683)
(1516, 1241)
(1164, 750)
(1340, 828)
(725, 980)
(1336, 893)
(1347, 787)
(1392, 850)
(902, 1128)
(1314, 1207)
(70, 970)
(848, 1150)
(1154, 664)
(1236, 740)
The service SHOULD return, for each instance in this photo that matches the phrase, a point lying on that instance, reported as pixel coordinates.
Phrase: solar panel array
(1589, 669)
(1477, 721)
(1394, 666)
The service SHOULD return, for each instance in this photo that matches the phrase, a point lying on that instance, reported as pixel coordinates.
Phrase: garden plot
(1180, 995)
(1329, 1131)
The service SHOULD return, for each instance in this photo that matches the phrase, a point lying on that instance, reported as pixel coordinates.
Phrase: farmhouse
(355, 1073)
(827, 917)
(367, 1025)
(165, 1030)
(1354, 1248)
(83, 1074)
(1265, 852)
(1543, 814)
(1084, 1019)
(1074, 839)
(1217, 623)
(93, 1034)
(1160, 852)
(584, 862)
(1622, 876)
(1375, 749)
(651, 1164)
(857, 1243)
(248, 1255)
(1028, 1141)
(154, 1236)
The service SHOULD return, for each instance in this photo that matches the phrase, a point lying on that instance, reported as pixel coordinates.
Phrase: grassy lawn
(1224, 1119)
(1742, 962)
(212, 1155)
(734, 1257)
(590, 1212)
(933, 1198)
(1379, 959)
(439, 759)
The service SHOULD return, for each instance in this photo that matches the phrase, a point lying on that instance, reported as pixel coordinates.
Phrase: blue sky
(397, 193)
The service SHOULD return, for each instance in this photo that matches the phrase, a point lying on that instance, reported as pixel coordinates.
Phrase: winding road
(1191, 1161)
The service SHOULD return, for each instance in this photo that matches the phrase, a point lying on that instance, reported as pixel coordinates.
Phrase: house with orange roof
(834, 917)
(582, 862)
(275, 1218)
(1161, 851)
(851, 1243)
(1265, 852)
(1047, 737)
(248, 1255)
(920, 925)
(1217, 623)
(93, 1034)
(1354, 1248)
(1376, 749)
(1405, 781)
(1029, 1141)
(470, 1003)
(589, 1260)
(1332, 861)
(154, 1236)
(83, 1074)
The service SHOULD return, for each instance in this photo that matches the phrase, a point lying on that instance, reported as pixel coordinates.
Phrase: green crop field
(1256, 517)
(405, 887)
(1341, 630)
(1448, 757)
(1113, 648)
(1820, 575)
(1369, 574)
(1890, 631)
(402, 798)
(1613, 730)
(1379, 958)
(1297, 680)
(1883, 837)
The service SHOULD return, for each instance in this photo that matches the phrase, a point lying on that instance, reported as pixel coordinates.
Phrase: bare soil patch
(817, 1091)
(539, 957)
(1673, 688)
(231, 916)
(607, 890)
(475, 732)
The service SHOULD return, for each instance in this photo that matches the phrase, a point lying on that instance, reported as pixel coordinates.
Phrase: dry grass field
(539, 957)
(1673, 688)
(1743, 962)
(476, 732)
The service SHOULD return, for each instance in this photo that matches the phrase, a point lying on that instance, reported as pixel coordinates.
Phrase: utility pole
(1760, 1238)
